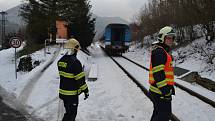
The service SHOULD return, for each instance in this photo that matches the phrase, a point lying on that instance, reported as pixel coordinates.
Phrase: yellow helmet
(72, 44)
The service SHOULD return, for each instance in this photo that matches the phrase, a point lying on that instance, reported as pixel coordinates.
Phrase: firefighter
(72, 80)
(161, 76)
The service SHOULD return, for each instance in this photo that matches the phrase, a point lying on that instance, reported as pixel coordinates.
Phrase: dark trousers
(71, 108)
(162, 109)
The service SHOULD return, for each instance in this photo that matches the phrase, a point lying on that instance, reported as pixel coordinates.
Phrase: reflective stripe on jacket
(169, 74)
(72, 77)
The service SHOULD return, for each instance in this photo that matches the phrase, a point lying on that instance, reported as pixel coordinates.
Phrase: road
(9, 114)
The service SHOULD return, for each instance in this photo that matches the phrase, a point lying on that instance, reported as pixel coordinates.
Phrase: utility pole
(3, 13)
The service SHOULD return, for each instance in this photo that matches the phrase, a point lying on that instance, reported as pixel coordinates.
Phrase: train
(116, 38)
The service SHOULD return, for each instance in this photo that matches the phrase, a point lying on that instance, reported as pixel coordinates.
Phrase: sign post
(15, 42)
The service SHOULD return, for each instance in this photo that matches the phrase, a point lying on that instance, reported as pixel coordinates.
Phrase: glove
(168, 92)
(86, 95)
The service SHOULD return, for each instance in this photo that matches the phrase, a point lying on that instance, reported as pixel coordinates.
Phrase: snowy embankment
(7, 73)
(15, 93)
(192, 62)
(190, 57)
(194, 57)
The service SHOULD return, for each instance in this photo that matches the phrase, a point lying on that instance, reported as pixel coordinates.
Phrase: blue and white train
(117, 38)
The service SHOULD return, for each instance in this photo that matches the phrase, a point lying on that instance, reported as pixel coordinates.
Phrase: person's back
(72, 80)
(68, 67)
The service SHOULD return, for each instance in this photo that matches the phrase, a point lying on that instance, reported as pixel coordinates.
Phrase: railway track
(191, 92)
(204, 101)
(144, 90)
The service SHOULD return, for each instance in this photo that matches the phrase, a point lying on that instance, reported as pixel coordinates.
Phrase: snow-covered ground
(113, 97)
(7, 72)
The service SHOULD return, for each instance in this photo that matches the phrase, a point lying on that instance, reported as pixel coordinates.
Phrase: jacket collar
(166, 47)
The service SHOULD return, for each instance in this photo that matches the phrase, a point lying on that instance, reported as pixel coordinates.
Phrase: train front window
(118, 35)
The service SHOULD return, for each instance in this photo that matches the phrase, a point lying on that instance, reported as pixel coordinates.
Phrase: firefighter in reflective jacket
(161, 77)
(72, 80)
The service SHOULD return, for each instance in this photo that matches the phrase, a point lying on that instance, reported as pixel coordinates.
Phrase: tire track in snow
(44, 105)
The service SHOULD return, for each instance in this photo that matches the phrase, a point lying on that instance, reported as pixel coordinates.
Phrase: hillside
(13, 15)
(14, 21)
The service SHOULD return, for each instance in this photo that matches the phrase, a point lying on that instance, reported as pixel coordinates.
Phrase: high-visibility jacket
(72, 77)
(168, 80)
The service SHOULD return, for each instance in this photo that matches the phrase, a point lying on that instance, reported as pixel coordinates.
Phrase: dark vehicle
(117, 38)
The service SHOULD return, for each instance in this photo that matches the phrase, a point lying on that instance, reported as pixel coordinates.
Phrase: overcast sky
(125, 9)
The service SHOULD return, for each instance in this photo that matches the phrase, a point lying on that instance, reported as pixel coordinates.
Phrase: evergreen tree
(51, 8)
(40, 16)
(81, 25)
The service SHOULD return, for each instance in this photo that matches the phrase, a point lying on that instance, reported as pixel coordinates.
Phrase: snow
(197, 60)
(93, 74)
(113, 96)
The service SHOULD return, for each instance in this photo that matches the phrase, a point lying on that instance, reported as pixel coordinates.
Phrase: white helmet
(72, 44)
(165, 31)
